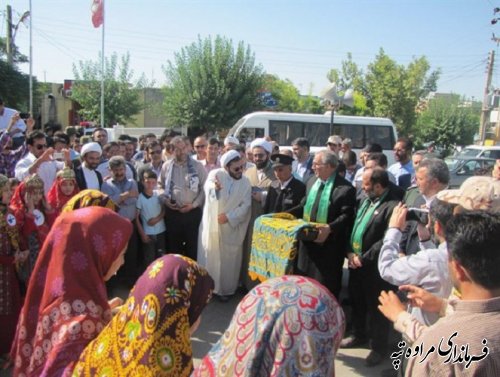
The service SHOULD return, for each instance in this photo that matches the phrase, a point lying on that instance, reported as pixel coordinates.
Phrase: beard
(235, 176)
(261, 164)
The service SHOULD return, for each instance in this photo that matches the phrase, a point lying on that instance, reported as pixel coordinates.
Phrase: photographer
(6, 115)
(40, 160)
(429, 267)
(9, 156)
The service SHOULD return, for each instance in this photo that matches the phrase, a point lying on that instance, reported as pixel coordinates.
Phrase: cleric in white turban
(263, 143)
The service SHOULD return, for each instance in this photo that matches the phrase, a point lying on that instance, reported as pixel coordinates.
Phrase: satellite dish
(348, 99)
(330, 92)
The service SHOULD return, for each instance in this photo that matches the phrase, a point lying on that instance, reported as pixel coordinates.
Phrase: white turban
(91, 147)
(229, 156)
(231, 140)
(263, 143)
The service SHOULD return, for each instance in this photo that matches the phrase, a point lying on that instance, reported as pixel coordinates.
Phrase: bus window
(381, 135)
(353, 132)
(250, 134)
(284, 132)
(316, 133)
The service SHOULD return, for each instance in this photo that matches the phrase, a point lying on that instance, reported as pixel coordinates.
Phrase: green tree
(350, 76)
(211, 84)
(121, 96)
(447, 122)
(14, 88)
(17, 57)
(393, 90)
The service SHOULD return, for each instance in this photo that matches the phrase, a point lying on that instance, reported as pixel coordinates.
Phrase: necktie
(314, 209)
(279, 202)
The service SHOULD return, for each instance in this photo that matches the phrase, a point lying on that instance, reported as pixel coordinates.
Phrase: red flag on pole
(97, 13)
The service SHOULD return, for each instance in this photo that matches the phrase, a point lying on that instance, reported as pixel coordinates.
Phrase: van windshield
(233, 129)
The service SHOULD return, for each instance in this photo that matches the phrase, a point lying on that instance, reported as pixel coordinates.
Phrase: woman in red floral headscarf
(150, 335)
(67, 304)
(34, 218)
(62, 190)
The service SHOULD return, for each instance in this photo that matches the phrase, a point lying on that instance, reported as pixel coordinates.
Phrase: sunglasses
(155, 152)
(237, 169)
(334, 145)
(41, 146)
(200, 146)
(259, 155)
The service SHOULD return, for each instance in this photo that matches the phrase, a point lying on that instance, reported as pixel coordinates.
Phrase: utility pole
(10, 44)
(485, 113)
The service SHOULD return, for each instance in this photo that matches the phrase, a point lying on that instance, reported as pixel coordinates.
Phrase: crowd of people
(179, 216)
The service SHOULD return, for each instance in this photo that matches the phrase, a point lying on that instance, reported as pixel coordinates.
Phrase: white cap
(91, 147)
(231, 140)
(229, 156)
(263, 143)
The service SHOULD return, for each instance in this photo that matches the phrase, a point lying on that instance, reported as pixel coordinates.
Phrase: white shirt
(47, 170)
(5, 120)
(90, 178)
(283, 185)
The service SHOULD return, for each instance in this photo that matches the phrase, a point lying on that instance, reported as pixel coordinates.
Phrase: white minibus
(286, 127)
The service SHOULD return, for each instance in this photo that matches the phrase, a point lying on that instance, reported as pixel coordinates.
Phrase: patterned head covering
(150, 335)
(88, 198)
(55, 197)
(287, 326)
(66, 304)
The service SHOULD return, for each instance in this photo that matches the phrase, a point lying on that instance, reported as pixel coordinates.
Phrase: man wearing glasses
(224, 225)
(40, 160)
(200, 148)
(334, 143)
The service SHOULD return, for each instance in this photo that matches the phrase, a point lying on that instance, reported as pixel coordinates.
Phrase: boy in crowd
(150, 220)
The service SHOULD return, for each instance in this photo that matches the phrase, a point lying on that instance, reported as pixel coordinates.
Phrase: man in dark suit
(286, 192)
(365, 282)
(303, 166)
(87, 177)
(330, 201)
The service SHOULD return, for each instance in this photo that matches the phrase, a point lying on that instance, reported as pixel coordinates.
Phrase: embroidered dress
(89, 198)
(287, 326)
(66, 305)
(150, 335)
(10, 300)
(33, 229)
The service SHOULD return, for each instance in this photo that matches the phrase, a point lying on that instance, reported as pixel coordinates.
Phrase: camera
(24, 115)
(420, 215)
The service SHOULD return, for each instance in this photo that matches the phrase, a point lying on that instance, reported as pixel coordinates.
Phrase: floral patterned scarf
(66, 305)
(150, 335)
(287, 326)
(89, 198)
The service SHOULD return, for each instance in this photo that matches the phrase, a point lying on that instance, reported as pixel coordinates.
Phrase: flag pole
(31, 62)
(102, 65)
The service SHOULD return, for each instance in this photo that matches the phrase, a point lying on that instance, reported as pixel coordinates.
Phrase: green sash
(322, 214)
(365, 213)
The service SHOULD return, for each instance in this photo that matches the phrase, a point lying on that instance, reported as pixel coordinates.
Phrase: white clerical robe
(220, 247)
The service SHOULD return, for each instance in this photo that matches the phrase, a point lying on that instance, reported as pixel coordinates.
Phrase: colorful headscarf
(287, 326)
(66, 305)
(55, 197)
(150, 335)
(88, 198)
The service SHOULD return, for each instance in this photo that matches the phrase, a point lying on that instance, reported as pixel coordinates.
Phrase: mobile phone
(403, 296)
(58, 156)
(24, 115)
(420, 215)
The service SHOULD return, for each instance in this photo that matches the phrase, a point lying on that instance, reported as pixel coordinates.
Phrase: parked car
(480, 151)
(462, 168)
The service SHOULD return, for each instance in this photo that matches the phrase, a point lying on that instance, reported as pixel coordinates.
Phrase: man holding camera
(40, 160)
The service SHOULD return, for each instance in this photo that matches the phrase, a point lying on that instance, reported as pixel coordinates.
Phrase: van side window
(317, 133)
(353, 132)
(250, 134)
(284, 132)
(381, 135)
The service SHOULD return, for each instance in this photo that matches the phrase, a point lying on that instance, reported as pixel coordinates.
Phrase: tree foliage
(447, 122)
(121, 96)
(211, 84)
(14, 88)
(389, 89)
(17, 57)
(288, 97)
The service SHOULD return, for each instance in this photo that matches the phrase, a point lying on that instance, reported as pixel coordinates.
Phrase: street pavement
(217, 315)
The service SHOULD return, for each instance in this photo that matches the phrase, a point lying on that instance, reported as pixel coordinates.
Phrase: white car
(480, 151)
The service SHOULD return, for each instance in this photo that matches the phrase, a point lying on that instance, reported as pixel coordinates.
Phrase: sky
(299, 40)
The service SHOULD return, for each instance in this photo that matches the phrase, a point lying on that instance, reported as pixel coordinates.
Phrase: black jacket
(374, 234)
(80, 178)
(290, 197)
